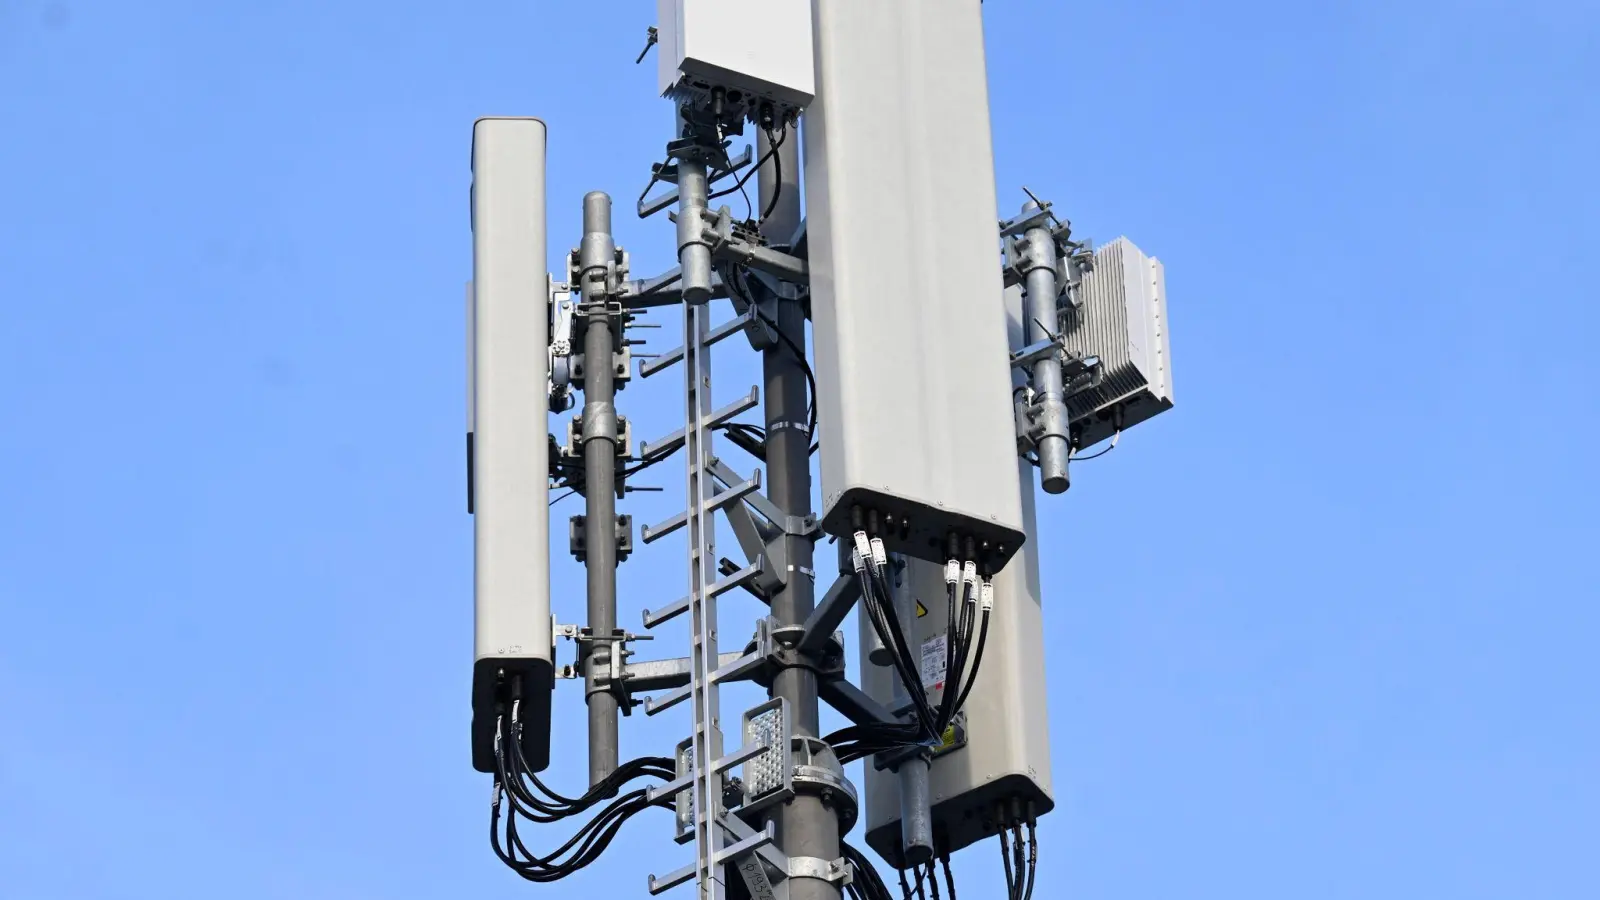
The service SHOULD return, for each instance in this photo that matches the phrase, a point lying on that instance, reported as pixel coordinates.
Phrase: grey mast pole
(596, 252)
(806, 827)
(1047, 383)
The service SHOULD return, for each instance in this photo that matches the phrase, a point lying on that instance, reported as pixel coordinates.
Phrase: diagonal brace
(829, 614)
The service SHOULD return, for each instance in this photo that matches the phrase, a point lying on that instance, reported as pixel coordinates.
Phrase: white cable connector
(952, 571)
(878, 555)
(987, 592)
(969, 573)
(863, 548)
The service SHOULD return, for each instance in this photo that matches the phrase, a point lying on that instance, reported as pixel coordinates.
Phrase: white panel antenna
(510, 444)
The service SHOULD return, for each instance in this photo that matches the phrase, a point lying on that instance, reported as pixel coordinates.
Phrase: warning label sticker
(933, 663)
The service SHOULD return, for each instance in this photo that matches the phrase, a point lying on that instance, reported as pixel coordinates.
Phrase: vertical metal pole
(805, 826)
(1041, 315)
(694, 256)
(916, 814)
(596, 253)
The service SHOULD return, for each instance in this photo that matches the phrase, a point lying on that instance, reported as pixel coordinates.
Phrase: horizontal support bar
(667, 613)
(738, 757)
(739, 831)
(757, 502)
(675, 355)
(737, 669)
(776, 263)
(665, 674)
(663, 290)
(732, 495)
(735, 579)
(748, 845)
(673, 441)
(653, 705)
(671, 880)
(681, 605)
(669, 790)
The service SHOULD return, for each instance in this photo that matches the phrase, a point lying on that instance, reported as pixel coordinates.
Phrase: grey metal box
(1006, 757)
(913, 392)
(1123, 321)
(510, 443)
(760, 49)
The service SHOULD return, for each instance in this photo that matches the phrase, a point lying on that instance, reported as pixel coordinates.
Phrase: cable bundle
(529, 798)
(962, 581)
(1020, 869)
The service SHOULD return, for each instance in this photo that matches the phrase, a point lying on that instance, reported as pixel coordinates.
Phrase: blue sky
(1326, 630)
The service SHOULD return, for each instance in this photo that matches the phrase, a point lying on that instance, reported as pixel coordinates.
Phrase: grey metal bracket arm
(649, 676)
(729, 242)
(854, 704)
(662, 290)
(829, 614)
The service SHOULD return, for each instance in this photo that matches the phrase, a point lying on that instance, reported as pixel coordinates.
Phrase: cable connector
(879, 557)
(987, 595)
(952, 571)
(969, 573)
(863, 547)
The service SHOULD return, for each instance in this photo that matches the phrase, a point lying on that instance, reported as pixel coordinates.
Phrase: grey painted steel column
(595, 254)
(806, 827)
(916, 812)
(1041, 315)
(694, 256)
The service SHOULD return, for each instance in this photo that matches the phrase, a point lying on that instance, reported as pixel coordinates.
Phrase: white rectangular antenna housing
(913, 392)
(760, 49)
(1123, 321)
(510, 445)
(1005, 757)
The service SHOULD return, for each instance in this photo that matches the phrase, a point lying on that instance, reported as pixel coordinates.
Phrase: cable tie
(987, 592)
(952, 571)
(857, 561)
(969, 572)
(878, 554)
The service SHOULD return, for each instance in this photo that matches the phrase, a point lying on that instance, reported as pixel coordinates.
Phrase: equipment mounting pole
(597, 257)
(806, 827)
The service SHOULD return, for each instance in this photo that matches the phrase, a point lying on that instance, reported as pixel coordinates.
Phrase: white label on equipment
(933, 663)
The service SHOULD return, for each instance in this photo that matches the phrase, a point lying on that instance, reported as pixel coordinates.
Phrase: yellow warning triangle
(921, 610)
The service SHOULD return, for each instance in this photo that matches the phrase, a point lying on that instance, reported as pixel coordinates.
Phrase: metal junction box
(913, 392)
(508, 413)
(1123, 321)
(759, 49)
(999, 751)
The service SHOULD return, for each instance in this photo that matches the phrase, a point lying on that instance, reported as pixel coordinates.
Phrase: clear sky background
(1327, 630)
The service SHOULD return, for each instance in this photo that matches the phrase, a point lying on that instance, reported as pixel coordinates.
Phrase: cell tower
(955, 353)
